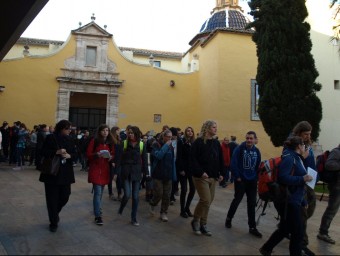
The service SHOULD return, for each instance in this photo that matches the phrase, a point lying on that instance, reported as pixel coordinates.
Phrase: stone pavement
(24, 224)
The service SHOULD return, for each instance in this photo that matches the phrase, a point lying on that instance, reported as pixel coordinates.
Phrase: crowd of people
(175, 162)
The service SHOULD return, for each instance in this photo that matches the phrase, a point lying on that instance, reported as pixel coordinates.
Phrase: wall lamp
(2, 88)
(151, 60)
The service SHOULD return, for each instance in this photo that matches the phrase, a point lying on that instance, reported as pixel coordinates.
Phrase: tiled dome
(224, 19)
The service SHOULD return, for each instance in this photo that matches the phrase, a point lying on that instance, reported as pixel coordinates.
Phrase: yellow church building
(89, 80)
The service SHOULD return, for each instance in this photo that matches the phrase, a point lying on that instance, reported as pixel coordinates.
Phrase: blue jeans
(20, 156)
(332, 207)
(128, 186)
(97, 199)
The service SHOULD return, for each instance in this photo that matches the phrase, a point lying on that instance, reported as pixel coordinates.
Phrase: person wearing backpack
(244, 165)
(303, 129)
(332, 164)
(293, 176)
(133, 165)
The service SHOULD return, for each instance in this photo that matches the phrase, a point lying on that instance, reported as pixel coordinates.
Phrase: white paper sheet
(105, 153)
(314, 174)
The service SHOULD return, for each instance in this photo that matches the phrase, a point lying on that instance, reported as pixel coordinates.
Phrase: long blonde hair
(205, 127)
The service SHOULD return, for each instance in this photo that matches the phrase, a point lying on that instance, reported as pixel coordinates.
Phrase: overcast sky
(166, 25)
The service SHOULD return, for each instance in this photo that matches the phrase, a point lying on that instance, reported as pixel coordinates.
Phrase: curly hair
(205, 127)
(136, 131)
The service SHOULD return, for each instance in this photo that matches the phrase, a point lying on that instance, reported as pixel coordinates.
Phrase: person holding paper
(303, 129)
(100, 153)
(293, 175)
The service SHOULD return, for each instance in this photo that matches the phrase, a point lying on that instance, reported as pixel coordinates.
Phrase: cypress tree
(286, 69)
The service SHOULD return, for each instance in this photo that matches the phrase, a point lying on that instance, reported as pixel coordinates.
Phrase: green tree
(336, 27)
(286, 70)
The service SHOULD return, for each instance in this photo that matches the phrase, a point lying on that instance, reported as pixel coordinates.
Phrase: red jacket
(99, 167)
(226, 154)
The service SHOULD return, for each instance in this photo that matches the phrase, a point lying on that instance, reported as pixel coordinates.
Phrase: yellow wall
(147, 91)
(166, 63)
(220, 90)
(228, 62)
(17, 50)
(31, 87)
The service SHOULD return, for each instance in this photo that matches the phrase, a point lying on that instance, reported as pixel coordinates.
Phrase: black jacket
(49, 148)
(207, 157)
(133, 162)
(183, 157)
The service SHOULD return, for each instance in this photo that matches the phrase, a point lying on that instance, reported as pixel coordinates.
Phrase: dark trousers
(332, 207)
(13, 153)
(5, 150)
(290, 223)
(184, 180)
(174, 189)
(119, 182)
(307, 212)
(56, 198)
(250, 189)
(32, 155)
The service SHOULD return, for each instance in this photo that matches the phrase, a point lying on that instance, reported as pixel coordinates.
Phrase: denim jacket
(163, 165)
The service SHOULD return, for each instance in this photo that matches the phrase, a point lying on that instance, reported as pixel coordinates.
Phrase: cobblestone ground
(24, 224)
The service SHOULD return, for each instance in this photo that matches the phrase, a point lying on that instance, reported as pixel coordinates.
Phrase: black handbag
(51, 165)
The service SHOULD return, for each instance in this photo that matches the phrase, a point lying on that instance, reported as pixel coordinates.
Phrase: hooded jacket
(291, 172)
(245, 162)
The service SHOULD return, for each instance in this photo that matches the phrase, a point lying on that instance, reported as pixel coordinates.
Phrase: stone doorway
(87, 110)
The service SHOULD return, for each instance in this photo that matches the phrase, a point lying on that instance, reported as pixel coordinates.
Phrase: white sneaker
(163, 217)
(152, 210)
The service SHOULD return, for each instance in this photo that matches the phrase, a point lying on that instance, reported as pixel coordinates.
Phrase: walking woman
(115, 172)
(58, 188)
(292, 174)
(133, 165)
(163, 173)
(100, 153)
(207, 162)
(184, 172)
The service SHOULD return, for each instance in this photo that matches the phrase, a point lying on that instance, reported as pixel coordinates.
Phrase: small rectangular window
(157, 63)
(91, 56)
(254, 100)
(336, 85)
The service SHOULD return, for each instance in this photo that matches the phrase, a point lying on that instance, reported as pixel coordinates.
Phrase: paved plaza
(24, 224)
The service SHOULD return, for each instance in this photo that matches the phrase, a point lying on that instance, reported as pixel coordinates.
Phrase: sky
(165, 25)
